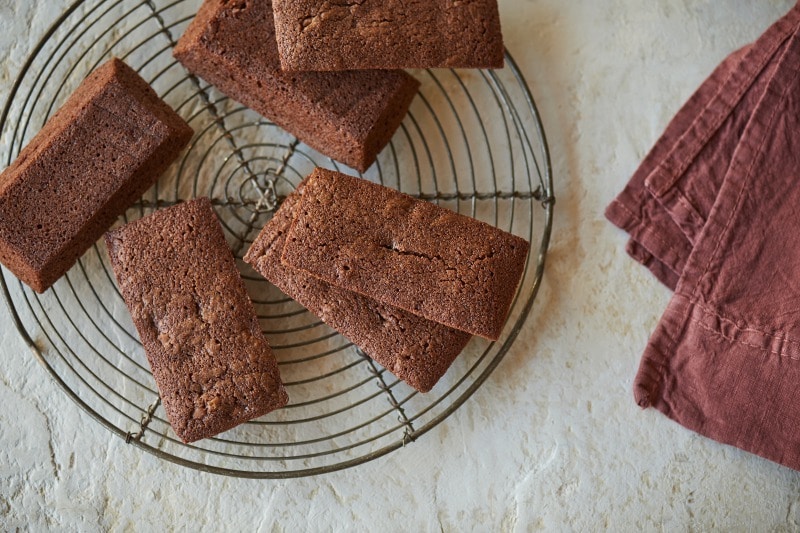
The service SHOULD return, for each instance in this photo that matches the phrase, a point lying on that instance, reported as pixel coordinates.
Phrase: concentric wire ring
(472, 142)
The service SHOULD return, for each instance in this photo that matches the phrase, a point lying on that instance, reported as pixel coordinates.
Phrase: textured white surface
(553, 440)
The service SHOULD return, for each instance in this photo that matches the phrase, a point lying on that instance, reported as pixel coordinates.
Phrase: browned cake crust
(405, 252)
(414, 349)
(349, 116)
(213, 367)
(98, 154)
(378, 34)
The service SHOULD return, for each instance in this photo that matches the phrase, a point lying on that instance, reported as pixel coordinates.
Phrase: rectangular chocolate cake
(382, 34)
(405, 252)
(414, 349)
(213, 366)
(349, 116)
(96, 156)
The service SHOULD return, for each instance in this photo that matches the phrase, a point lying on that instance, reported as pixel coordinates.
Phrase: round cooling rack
(472, 142)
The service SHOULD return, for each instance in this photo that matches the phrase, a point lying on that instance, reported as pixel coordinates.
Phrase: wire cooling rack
(472, 142)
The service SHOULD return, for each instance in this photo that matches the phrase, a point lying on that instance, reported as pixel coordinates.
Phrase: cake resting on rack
(406, 252)
(96, 156)
(382, 34)
(213, 366)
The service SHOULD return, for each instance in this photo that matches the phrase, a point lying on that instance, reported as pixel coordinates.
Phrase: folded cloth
(656, 240)
(667, 201)
(714, 211)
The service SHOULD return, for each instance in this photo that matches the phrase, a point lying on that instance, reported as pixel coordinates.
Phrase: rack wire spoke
(472, 141)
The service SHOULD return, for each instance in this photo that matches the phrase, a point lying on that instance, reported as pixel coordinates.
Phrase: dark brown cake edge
(493, 57)
(388, 123)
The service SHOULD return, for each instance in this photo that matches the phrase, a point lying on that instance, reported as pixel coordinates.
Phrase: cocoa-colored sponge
(213, 366)
(96, 156)
(405, 252)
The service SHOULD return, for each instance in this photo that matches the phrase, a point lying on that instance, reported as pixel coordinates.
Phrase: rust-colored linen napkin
(669, 197)
(714, 212)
